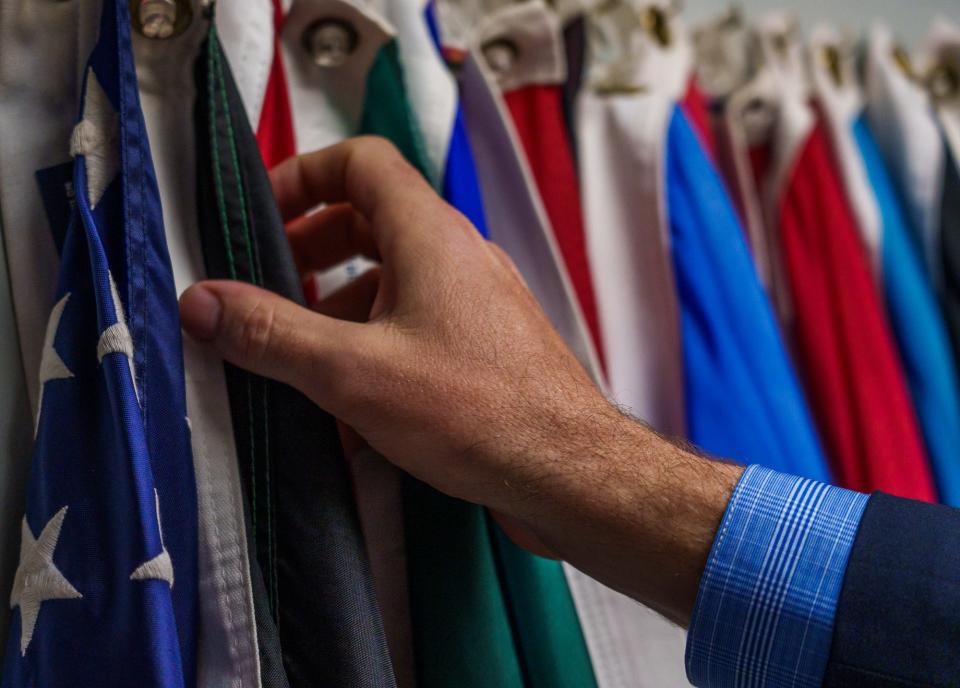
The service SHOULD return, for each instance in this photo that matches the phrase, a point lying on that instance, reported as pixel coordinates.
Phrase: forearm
(628, 507)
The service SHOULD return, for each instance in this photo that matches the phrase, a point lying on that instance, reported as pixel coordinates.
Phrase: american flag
(106, 589)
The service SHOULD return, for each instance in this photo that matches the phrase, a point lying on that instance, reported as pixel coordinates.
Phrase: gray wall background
(908, 18)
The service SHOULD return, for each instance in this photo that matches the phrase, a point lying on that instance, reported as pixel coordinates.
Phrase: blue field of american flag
(106, 589)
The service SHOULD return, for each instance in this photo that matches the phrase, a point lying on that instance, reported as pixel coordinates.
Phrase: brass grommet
(160, 19)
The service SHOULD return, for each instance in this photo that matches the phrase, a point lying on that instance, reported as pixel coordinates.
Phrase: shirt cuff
(764, 613)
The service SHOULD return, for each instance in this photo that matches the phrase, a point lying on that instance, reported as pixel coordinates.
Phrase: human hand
(442, 360)
(456, 374)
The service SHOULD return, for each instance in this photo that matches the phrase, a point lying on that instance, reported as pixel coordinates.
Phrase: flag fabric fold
(108, 563)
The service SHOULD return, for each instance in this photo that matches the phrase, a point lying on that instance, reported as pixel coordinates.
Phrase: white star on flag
(160, 567)
(97, 138)
(116, 338)
(38, 579)
(52, 366)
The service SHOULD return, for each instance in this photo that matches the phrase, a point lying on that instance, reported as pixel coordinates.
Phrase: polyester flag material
(275, 134)
(461, 184)
(696, 106)
(743, 398)
(108, 565)
(307, 534)
(843, 343)
(537, 114)
(918, 326)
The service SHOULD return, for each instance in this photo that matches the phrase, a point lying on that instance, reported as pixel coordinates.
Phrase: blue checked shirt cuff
(764, 614)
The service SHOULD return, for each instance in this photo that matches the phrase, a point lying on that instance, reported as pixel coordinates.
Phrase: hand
(455, 375)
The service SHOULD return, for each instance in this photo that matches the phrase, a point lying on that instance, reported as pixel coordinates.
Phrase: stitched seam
(272, 547)
(218, 179)
(257, 269)
(256, 278)
(128, 171)
(708, 573)
(253, 454)
(231, 139)
(231, 262)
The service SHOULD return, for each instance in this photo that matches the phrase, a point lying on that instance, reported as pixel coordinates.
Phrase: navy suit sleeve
(897, 621)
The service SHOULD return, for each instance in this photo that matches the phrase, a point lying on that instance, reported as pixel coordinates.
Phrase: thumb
(266, 334)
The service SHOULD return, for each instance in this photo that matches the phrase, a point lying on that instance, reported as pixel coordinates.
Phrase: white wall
(908, 18)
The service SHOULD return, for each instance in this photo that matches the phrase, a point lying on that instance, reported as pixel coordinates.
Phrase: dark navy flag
(106, 589)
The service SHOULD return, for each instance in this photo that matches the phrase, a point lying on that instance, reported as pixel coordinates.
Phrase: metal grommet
(830, 55)
(330, 42)
(160, 18)
(781, 43)
(500, 54)
(902, 59)
(657, 24)
(943, 82)
(757, 118)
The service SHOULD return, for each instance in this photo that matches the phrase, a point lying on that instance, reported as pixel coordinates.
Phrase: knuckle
(376, 151)
(375, 147)
(254, 331)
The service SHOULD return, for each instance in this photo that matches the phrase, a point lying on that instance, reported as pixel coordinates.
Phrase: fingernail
(200, 311)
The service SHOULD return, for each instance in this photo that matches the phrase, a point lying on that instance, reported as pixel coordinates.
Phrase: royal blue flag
(918, 325)
(106, 589)
(743, 398)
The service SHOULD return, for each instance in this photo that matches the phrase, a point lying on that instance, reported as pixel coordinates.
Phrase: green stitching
(221, 87)
(212, 58)
(218, 180)
(258, 280)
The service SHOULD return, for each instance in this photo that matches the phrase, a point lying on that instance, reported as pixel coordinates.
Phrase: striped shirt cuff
(768, 595)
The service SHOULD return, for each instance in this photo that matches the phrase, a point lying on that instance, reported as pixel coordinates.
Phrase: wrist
(628, 507)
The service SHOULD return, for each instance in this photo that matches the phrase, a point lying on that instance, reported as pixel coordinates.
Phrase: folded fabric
(843, 343)
(537, 114)
(743, 400)
(308, 540)
(111, 517)
(275, 135)
(919, 328)
(906, 131)
(15, 440)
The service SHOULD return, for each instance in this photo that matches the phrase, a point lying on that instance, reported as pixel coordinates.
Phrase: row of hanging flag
(750, 237)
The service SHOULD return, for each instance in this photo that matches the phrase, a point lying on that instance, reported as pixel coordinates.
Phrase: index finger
(369, 173)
